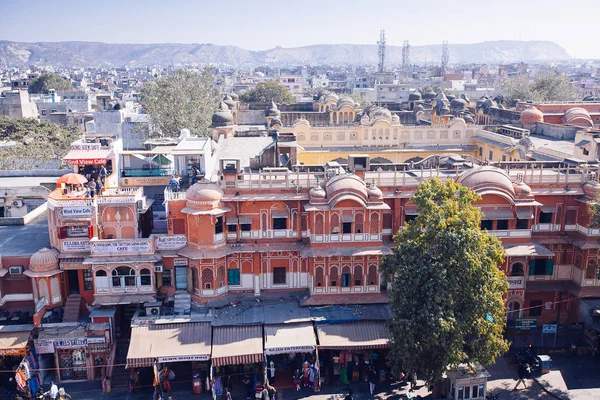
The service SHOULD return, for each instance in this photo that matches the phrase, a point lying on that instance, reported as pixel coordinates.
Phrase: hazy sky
(262, 24)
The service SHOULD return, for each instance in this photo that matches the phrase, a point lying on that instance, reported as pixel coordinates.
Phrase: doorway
(73, 277)
(181, 278)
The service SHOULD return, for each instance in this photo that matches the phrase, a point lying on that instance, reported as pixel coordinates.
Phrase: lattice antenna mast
(445, 56)
(381, 51)
(405, 56)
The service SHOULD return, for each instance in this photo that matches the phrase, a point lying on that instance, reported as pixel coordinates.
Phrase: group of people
(92, 173)
(175, 183)
(56, 394)
(93, 187)
(307, 377)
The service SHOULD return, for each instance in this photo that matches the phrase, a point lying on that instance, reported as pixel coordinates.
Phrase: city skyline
(261, 25)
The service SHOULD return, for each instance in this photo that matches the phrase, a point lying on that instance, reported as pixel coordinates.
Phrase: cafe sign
(108, 247)
(77, 212)
(76, 245)
(175, 242)
(85, 146)
(203, 357)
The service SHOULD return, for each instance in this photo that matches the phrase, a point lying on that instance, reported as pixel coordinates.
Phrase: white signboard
(203, 357)
(171, 242)
(96, 339)
(43, 346)
(40, 304)
(290, 349)
(85, 146)
(516, 282)
(76, 245)
(121, 247)
(70, 342)
(77, 212)
(180, 262)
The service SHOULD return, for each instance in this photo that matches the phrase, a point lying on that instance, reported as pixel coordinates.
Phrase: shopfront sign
(146, 181)
(78, 231)
(44, 346)
(96, 339)
(40, 304)
(82, 245)
(516, 282)
(87, 161)
(77, 212)
(549, 328)
(290, 349)
(180, 262)
(85, 146)
(175, 242)
(525, 323)
(203, 357)
(13, 352)
(107, 247)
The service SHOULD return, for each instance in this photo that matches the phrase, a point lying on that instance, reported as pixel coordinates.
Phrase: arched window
(207, 278)
(319, 278)
(592, 269)
(358, 275)
(195, 280)
(295, 221)
(514, 309)
(372, 275)
(334, 279)
(304, 223)
(101, 279)
(123, 277)
(359, 221)
(516, 269)
(221, 277)
(375, 223)
(145, 277)
(346, 276)
(264, 226)
(335, 223)
(319, 228)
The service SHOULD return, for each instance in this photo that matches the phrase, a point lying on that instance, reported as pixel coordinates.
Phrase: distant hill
(84, 54)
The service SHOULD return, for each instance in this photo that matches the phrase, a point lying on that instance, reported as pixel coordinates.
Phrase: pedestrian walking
(102, 174)
(272, 372)
(523, 372)
(227, 394)
(92, 187)
(99, 186)
(372, 379)
(413, 380)
(53, 392)
(349, 395)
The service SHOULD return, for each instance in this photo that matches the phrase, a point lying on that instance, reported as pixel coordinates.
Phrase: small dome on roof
(43, 260)
(430, 95)
(346, 184)
(395, 118)
(331, 97)
(223, 117)
(531, 116)
(591, 188)
(317, 193)
(258, 73)
(204, 192)
(374, 192)
(229, 101)
(578, 116)
(380, 112)
(414, 96)
(274, 111)
(458, 104)
(345, 101)
(301, 121)
(522, 189)
(487, 177)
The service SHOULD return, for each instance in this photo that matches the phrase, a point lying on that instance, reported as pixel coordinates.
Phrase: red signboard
(90, 161)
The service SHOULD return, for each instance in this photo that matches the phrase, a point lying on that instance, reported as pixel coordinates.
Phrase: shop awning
(14, 343)
(548, 209)
(290, 338)
(235, 345)
(279, 214)
(245, 219)
(87, 157)
(362, 335)
(411, 211)
(72, 263)
(528, 249)
(524, 213)
(169, 343)
(497, 214)
(232, 221)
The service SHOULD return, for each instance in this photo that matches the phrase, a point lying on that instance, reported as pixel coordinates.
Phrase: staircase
(183, 303)
(120, 376)
(72, 308)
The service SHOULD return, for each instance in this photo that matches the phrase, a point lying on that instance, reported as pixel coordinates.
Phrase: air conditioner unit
(153, 308)
(15, 270)
(17, 203)
(158, 268)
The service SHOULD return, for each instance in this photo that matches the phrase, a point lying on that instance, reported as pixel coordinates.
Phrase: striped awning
(87, 157)
(361, 335)
(169, 343)
(236, 345)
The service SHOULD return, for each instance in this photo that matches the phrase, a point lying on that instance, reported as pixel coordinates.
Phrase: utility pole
(445, 57)
(405, 56)
(381, 51)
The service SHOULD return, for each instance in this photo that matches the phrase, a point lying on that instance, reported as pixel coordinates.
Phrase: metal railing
(140, 172)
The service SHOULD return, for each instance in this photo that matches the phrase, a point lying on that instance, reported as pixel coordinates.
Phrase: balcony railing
(546, 227)
(346, 237)
(134, 173)
(515, 233)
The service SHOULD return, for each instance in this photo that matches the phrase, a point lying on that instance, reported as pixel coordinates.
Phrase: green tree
(30, 144)
(546, 87)
(185, 100)
(594, 211)
(445, 282)
(44, 83)
(266, 92)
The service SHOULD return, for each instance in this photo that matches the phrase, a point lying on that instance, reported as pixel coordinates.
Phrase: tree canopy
(44, 83)
(185, 100)
(266, 92)
(594, 212)
(445, 282)
(547, 87)
(30, 144)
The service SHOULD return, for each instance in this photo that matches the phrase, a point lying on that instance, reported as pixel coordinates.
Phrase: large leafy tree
(185, 100)
(44, 83)
(266, 92)
(447, 289)
(546, 87)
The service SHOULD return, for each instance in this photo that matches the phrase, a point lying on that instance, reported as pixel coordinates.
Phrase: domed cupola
(223, 117)
(522, 189)
(591, 188)
(204, 195)
(44, 260)
(274, 111)
(374, 192)
(317, 193)
(230, 102)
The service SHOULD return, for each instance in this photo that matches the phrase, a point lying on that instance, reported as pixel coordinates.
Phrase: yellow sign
(146, 181)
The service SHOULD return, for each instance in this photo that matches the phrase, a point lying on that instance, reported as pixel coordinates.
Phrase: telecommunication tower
(381, 51)
(405, 56)
(445, 56)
